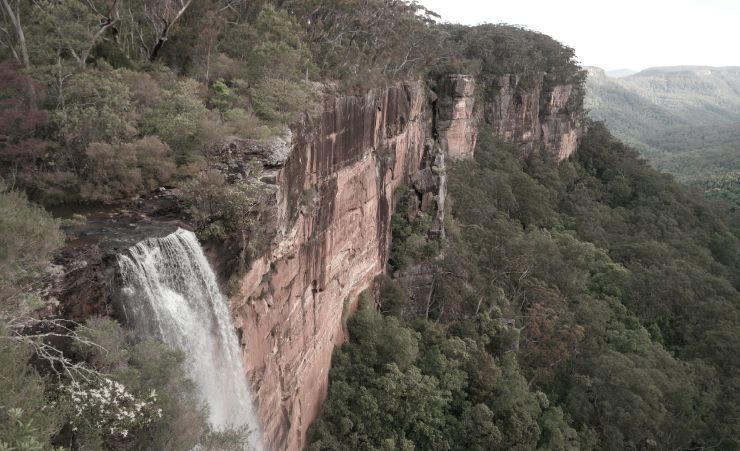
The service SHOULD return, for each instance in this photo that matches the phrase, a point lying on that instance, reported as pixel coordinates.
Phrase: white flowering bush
(108, 408)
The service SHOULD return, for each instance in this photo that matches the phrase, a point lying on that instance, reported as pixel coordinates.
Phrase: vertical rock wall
(456, 123)
(335, 196)
(528, 115)
(335, 203)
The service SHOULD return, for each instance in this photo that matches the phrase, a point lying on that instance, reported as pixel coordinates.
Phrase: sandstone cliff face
(526, 114)
(335, 200)
(456, 123)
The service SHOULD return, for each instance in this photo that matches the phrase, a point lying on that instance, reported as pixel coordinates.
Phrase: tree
(26, 422)
(152, 23)
(12, 35)
(28, 238)
(20, 121)
(117, 171)
(72, 28)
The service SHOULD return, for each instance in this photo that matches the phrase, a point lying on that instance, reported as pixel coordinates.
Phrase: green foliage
(410, 242)
(279, 101)
(94, 106)
(176, 119)
(123, 170)
(686, 121)
(26, 422)
(28, 238)
(590, 304)
(247, 70)
(366, 42)
(278, 48)
(648, 258)
(229, 211)
(724, 188)
(394, 387)
(223, 97)
(148, 370)
(224, 440)
(63, 27)
(506, 49)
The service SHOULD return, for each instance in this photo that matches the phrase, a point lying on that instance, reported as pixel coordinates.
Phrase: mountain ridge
(648, 110)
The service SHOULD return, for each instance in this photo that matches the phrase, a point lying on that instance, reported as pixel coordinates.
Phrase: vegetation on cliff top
(99, 102)
(591, 304)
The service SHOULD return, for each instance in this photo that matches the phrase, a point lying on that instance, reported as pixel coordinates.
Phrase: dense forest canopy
(590, 304)
(108, 99)
(587, 305)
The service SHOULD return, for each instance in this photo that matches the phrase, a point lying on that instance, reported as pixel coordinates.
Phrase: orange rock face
(525, 114)
(335, 202)
(457, 125)
(561, 127)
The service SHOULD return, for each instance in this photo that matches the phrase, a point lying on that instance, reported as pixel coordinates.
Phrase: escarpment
(456, 123)
(335, 199)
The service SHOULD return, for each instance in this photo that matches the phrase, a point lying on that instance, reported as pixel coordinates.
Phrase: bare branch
(41, 332)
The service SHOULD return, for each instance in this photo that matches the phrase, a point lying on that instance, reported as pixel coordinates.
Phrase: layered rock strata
(334, 199)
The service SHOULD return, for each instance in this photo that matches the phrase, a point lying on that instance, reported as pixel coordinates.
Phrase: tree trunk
(168, 24)
(22, 50)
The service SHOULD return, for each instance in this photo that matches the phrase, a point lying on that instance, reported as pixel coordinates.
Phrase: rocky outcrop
(561, 122)
(335, 201)
(456, 124)
(531, 116)
(80, 281)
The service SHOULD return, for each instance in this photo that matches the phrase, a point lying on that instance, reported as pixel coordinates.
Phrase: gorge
(337, 225)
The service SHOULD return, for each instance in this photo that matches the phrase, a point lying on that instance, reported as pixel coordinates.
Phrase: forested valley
(685, 120)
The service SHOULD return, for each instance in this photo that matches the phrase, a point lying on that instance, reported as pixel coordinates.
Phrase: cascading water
(169, 291)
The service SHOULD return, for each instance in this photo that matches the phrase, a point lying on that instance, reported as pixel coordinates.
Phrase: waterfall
(170, 291)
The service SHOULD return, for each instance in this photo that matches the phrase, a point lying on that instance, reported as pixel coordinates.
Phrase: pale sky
(618, 34)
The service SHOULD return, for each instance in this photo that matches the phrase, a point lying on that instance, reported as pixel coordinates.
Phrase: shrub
(95, 106)
(278, 100)
(154, 377)
(118, 171)
(28, 238)
(176, 118)
(221, 209)
(26, 422)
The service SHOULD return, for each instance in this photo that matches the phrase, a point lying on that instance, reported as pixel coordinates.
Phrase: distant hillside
(684, 119)
(617, 73)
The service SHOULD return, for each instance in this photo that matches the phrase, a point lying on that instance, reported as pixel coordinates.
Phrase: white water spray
(169, 291)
